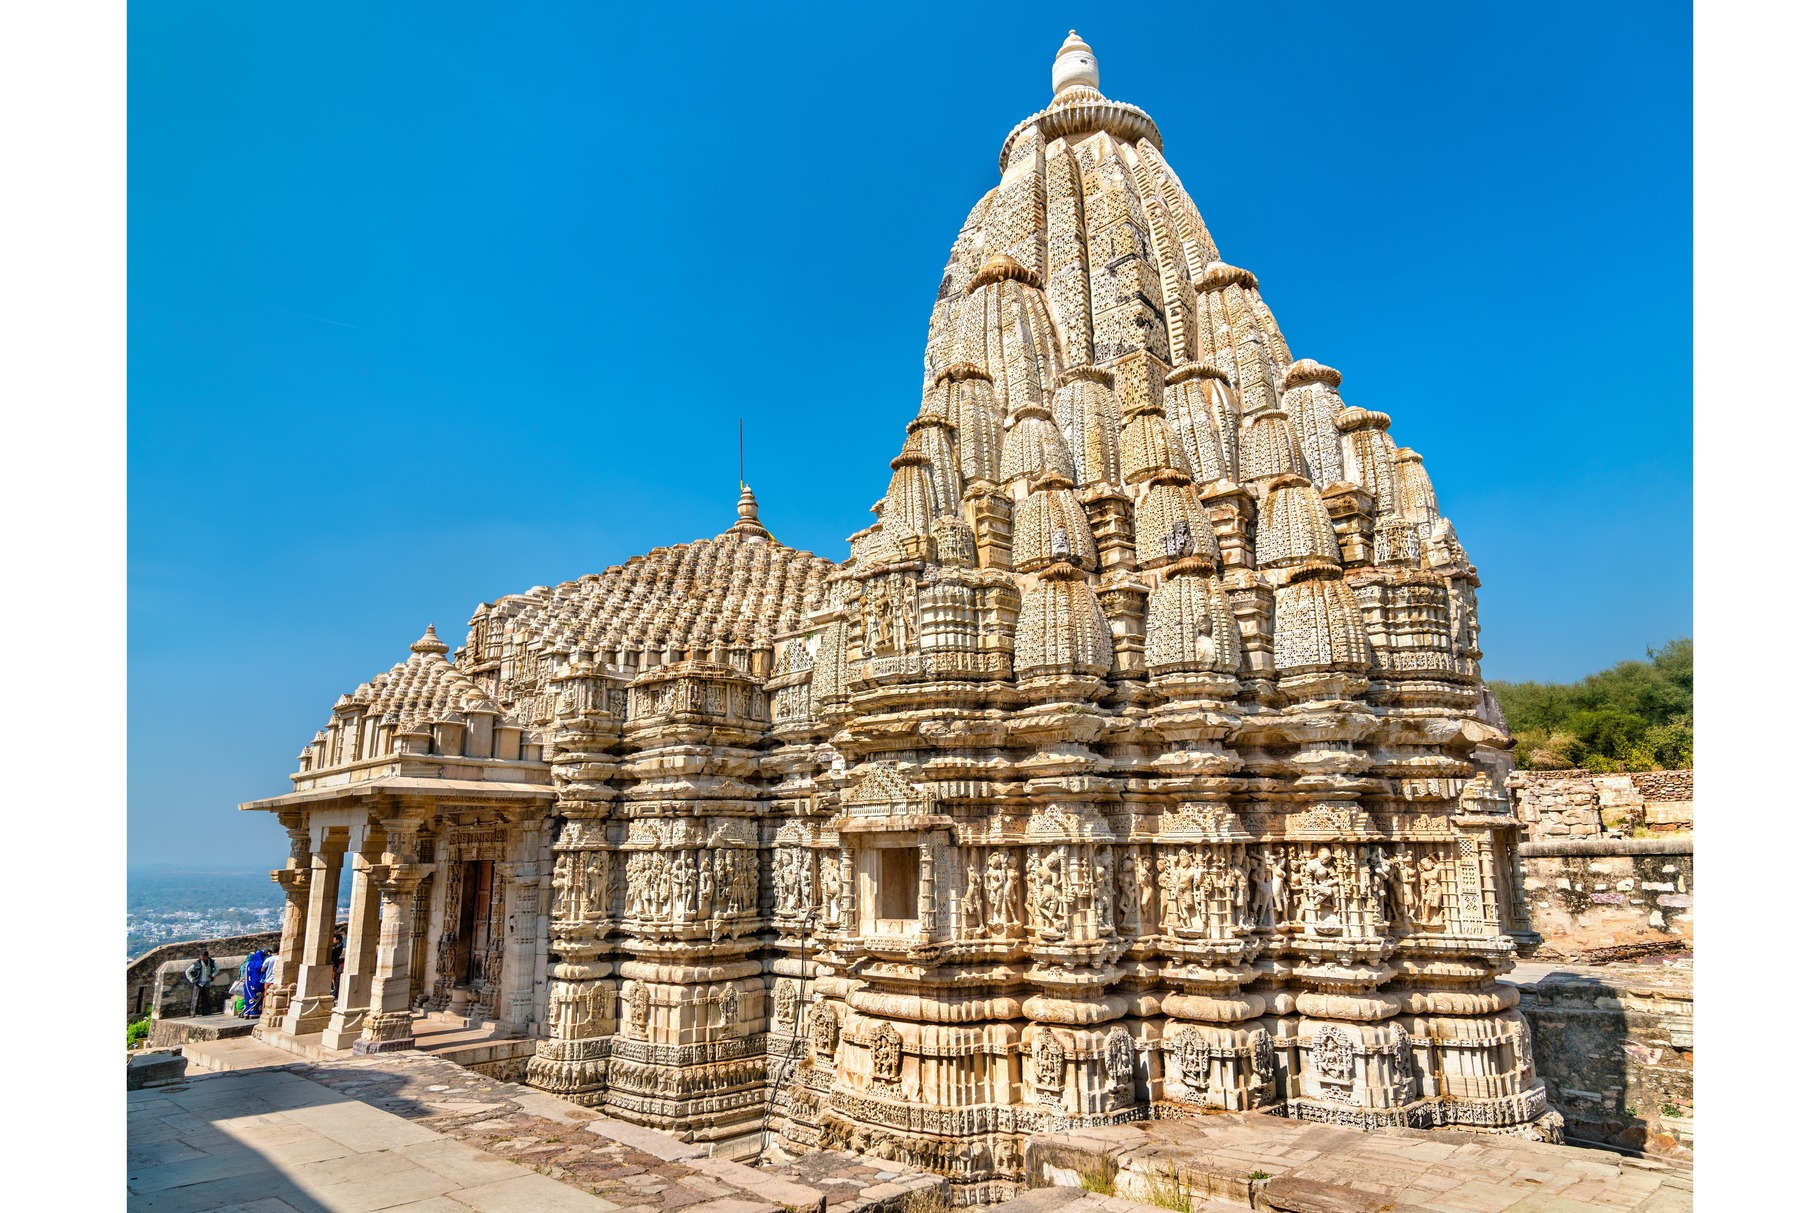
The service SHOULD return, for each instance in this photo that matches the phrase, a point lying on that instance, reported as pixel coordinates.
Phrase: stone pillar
(294, 879)
(361, 956)
(523, 922)
(388, 1018)
(314, 993)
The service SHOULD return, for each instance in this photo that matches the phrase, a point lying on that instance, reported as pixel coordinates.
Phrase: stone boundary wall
(142, 974)
(1585, 804)
(145, 988)
(1608, 898)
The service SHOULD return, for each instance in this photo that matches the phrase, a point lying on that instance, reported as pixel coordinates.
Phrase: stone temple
(1134, 763)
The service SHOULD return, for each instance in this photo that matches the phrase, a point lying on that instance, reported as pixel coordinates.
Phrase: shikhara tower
(1136, 761)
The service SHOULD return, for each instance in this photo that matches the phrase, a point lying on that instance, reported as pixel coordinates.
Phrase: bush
(1635, 716)
(137, 1031)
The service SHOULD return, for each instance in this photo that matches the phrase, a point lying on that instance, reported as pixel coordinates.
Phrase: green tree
(1635, 716)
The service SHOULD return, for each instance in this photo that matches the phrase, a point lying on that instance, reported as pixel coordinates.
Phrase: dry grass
(933, 1199)
(1171, 1191)
(1101, 1175)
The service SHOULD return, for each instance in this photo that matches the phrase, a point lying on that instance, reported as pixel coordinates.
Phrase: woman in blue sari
(253, 975)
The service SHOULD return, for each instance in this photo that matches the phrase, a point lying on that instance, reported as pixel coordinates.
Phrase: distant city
(170, 904)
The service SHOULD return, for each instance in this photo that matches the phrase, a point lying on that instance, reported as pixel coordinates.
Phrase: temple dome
(720, 599)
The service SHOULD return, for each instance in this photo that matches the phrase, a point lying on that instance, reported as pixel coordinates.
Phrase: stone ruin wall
(1586, 804)
(1608, 861)
(1608, 874)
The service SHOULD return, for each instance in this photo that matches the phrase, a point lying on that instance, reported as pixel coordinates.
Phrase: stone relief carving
(1046, 1063)
(824, 1029)
(887, 1055)
(1194, 1057)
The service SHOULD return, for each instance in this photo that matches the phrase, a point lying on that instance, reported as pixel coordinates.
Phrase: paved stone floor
(411, 1131)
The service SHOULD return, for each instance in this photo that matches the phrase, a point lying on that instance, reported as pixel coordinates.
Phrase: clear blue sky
(430, 303)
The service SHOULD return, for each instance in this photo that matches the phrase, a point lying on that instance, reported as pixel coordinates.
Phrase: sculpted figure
(1104, 886)
(745, 870)
(1321, 886)
(831, 890)
(1048, 894)
(1014, 891)
(785, 888)
(1166, 886)
(878, 627)
(1428, 879)
(682, 885)
(638, 1009)
(1381, 883)
(1130, 915)
(908, 623)
(594, 885)
(1237, 886)
(560, 905)
(972, 905)
(998, 891)
(1200, 891)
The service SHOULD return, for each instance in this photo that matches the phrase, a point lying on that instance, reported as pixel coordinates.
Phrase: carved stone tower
(1134, 763)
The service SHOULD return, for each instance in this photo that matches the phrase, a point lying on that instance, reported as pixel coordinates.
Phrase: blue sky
(432, 303)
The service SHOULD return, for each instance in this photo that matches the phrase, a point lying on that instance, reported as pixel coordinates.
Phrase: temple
(1134, 763)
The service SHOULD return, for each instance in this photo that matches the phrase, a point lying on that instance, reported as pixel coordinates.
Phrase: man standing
(200, 974)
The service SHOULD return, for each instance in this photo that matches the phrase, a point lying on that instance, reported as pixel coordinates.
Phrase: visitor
(201, 974)
(337, 952)
(252, 977)
(236, 997)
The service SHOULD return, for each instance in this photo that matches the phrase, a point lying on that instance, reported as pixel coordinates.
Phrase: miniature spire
(1075, 65)
(429, 642)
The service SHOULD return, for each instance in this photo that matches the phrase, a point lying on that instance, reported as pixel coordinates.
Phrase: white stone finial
(429, 642)
(1074, 65)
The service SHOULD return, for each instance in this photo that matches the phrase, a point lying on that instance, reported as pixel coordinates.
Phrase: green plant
(1669, 1109)
(137, 1031)
(1101, 1175)
(1171, 1191)
(1635, 716)
(1259, 1175)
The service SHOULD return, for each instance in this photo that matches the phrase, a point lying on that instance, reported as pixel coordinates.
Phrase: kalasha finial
(429, 642)
(1075, 65)
(748, 523)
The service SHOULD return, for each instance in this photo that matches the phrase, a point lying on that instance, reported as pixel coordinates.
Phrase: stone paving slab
(274, 1141)
(854, 1183)
(1078, 1200)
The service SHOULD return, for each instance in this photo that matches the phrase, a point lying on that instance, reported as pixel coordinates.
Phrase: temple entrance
(474, 926)
(471, 950)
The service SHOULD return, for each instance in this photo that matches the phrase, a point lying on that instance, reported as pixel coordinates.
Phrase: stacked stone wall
(1587, 804)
